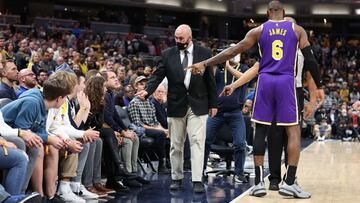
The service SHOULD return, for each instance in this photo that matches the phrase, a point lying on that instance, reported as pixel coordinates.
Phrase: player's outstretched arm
(250, 39)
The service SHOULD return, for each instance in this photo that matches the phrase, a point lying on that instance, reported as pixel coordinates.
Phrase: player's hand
(320, 95)
(356, 106)
(308, 111)
(142, 94)
(196, 68)
(213, 112)
(227, 91)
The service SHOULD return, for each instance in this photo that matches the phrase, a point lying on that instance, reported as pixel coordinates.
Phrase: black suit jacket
(201, 95)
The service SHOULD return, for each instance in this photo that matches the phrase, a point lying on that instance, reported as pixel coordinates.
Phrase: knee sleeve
(259, 139)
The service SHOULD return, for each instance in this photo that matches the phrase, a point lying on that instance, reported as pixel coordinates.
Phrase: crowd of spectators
(109, 70)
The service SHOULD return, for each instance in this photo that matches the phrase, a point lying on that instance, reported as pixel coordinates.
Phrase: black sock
(290, 175)
(259, 174)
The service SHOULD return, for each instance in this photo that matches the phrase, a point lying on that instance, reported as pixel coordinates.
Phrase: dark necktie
(185, 60)
(185, 64)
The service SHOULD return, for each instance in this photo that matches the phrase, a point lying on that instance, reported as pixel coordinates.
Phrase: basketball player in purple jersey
(275, 96)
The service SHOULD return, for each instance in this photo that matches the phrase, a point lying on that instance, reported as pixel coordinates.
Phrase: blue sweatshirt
(28, 113)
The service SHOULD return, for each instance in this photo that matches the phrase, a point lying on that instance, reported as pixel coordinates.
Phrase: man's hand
(213, 112)
(320, 95)
(74, 146)
(57, 142)
(196, 68)
(130, 134)
(227, 65)
(90, 135)
(118, 137)
(142, 94)
(227, 91)
(356, 106)
(31, 139)
(308, 111)
(167, 132)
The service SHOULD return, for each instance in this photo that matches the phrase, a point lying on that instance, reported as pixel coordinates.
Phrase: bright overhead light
(252, 21)
(329, 9)
(325, 21)
(165, 2)
(262, 9)
(210, 5)
(357, 11)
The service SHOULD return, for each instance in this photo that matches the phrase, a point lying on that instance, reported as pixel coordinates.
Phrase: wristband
(20, 133)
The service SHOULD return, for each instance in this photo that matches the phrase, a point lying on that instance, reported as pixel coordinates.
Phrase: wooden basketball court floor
(329, 170)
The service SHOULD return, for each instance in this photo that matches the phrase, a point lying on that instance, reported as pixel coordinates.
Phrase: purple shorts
(275, 99)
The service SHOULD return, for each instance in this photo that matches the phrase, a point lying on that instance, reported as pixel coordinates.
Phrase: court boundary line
(248, 190)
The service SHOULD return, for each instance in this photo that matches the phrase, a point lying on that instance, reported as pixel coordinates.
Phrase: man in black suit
(190, 99)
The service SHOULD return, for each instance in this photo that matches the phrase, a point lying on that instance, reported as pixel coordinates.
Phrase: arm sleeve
(311, 65)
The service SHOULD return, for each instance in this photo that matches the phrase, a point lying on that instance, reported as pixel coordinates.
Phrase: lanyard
(225, 74)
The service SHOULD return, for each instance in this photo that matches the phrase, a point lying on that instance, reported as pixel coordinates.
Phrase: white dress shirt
(190, 50)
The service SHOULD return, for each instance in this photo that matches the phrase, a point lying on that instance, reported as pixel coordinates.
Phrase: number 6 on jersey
(277, 52)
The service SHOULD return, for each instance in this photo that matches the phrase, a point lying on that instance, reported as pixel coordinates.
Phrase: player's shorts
(275, 99)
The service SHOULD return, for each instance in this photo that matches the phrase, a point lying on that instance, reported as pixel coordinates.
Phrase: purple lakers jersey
(278, 46)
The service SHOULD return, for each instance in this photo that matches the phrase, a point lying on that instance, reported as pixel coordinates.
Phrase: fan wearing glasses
(27, 80)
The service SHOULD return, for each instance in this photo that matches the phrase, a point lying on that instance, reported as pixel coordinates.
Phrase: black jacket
(110, 114)
(201, 95)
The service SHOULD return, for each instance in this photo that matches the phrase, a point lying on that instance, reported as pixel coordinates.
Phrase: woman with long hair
(34, 63)
(9, 50)
(96, 90)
